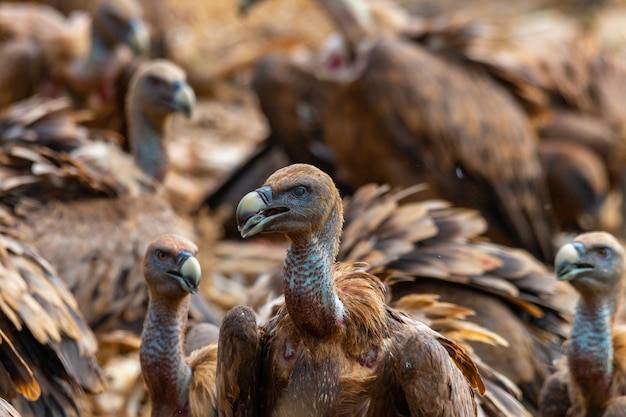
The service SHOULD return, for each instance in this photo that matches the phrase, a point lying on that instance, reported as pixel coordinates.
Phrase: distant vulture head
(296, 200)
(120, 22)
(592, 262)
(160, 88)
(170, 266)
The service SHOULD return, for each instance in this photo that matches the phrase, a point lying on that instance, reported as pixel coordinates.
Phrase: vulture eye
(603, 253)
(161, 256)
(154, 81)
(299, 191)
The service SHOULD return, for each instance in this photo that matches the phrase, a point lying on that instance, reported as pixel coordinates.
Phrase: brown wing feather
(432, 384)
(237, 364)
(455, 135)
(16, 375)
(41, 319)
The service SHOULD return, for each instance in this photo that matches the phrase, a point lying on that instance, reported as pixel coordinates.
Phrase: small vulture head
(170, 266)
(159, 88)
(593, 261)
(119, 22)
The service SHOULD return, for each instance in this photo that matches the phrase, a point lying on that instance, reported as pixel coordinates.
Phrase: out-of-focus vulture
(95, 201)
(591, 380)
(47, 349)
(72, 54)
(336, 346)
(393, 111)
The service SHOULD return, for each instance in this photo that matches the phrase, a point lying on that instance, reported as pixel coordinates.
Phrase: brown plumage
(73, 54)
(578, 181)
(591, 380)
(290, 102)
(415, 114)
(368, 358)
(112, 203)
(48, 350)
(177, 385)
(582, 86)
(430, 247)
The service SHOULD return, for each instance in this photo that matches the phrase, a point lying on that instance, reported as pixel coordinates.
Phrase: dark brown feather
(48, 350)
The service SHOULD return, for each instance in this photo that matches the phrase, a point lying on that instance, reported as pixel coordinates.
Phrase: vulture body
(47, 349)
(392, 111)
(336, 347)
(180, 371)
(112, 203)
(431, 247)
(591, 381)
(70, 54)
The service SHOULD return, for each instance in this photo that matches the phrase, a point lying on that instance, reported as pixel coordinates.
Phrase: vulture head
(159, 88)
(296, 200)
(170, 266)
(120, 22)
(592, 262)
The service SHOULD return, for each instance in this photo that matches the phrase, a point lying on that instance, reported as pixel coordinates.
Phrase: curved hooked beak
(184, 98)
(188, 272)
(138, 38)
(256, 210)
(569, 261)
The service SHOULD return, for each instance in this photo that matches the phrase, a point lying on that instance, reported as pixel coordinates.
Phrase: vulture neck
(164, 369)
(99, 49)
(309, 286)
(146, 140)
(590, 356)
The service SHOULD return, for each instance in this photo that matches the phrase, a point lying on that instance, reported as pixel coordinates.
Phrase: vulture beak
(138, 38)
(183, 99)
(570, 261)
(187, 272)
(256, 210)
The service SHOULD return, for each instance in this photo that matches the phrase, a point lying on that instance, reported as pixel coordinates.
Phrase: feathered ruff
(369, 324)
(202, 394)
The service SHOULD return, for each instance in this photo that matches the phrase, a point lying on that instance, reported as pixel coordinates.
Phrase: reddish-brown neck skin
(310, 293)
(164, 369)
(590, 356)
